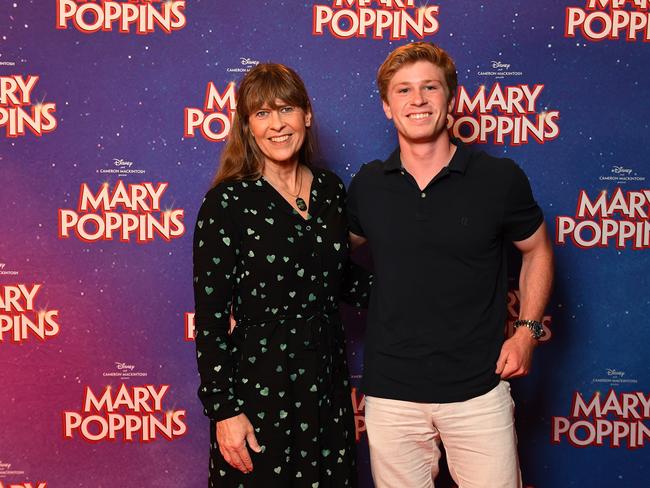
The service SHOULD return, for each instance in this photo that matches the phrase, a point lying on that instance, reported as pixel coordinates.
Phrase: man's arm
(535, 281)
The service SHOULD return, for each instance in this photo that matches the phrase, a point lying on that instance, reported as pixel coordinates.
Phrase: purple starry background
(122, 97)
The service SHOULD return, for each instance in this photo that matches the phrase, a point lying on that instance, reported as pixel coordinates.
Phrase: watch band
(535, 326)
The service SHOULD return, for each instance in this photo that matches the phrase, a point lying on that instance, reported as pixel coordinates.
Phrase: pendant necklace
(300, 202)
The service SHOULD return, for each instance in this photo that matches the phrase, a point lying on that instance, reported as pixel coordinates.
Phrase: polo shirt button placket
(421, 213)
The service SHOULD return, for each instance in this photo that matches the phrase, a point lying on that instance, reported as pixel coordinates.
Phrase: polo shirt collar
(458, 163)
(393, 163)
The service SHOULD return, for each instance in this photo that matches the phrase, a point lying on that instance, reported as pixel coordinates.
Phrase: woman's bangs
(268, 91)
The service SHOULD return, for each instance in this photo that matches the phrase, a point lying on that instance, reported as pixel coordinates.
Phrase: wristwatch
(536, 327)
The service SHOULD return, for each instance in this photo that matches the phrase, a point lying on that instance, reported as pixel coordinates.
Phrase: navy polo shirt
(438, 306)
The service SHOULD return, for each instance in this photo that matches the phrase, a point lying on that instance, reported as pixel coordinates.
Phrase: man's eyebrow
(430, 80)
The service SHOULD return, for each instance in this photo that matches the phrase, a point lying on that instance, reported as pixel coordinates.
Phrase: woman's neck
(286, 173)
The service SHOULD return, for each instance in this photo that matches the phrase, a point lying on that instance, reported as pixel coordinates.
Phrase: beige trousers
(478, 435)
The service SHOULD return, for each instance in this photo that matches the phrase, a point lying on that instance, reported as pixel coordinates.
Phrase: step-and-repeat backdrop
(112, 118)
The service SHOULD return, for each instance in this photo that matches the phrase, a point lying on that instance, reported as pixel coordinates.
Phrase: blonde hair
(412, 53)
(264, 84)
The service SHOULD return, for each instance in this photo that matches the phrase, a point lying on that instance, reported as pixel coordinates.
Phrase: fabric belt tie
(318, 331)
(313, 323)
(312, 327)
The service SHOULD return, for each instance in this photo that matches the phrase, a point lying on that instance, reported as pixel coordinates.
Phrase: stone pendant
(300, 203)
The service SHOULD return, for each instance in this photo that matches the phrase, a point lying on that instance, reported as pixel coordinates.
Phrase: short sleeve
(522, 216)
(352, 205)
(357, 280)
(215, 248)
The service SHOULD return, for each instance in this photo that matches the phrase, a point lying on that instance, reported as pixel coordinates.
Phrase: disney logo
(615, 372)
(2, 265)
(123, 366)
(5, 465)
(248, 62)
(499, 64)
(621, 170)
(121, 162)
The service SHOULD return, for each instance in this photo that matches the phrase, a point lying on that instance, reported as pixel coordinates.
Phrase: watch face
(538, 330)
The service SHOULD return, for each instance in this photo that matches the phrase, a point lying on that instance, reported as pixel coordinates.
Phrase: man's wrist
(534, 326)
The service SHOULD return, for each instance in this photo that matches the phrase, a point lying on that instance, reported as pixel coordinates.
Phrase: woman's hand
(232, 435)
(356, 241)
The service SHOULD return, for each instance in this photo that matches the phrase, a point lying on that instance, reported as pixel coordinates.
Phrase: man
(437, 217)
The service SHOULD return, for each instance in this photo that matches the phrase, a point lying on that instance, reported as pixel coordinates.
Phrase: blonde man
(437, 217)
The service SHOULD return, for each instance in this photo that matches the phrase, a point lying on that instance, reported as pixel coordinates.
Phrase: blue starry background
(123, 96)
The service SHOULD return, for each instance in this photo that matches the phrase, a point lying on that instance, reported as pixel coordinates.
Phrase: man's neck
(424, 160)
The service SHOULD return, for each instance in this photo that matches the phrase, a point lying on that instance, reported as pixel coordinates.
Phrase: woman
(271, 246)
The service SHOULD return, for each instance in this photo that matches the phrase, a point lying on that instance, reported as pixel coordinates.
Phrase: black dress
(284, 365)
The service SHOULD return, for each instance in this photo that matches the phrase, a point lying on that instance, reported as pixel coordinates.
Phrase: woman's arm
(215, 247)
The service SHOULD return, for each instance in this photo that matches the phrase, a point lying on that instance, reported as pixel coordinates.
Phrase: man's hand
(516, 354)
(232, 435)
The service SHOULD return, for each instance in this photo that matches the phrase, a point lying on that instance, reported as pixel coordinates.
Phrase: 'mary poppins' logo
(143, 16)
(503, 114)
(19, 112)
(609, 19)
(393, 19)
(214, 120)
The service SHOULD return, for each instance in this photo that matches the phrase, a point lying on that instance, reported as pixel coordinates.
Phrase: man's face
(418, 102)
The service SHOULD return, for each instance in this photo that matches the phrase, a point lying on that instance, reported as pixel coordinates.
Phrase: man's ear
(451, 105)
(387, 111)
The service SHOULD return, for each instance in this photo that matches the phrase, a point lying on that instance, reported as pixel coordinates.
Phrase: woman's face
(279, 132)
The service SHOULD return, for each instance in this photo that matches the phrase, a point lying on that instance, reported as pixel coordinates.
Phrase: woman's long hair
(242, 159)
